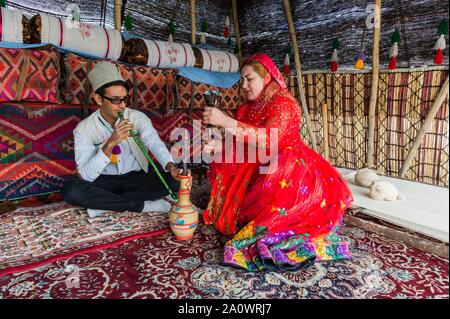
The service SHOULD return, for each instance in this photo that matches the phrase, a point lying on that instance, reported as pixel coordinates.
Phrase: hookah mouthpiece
(185, 169)
(212, 98)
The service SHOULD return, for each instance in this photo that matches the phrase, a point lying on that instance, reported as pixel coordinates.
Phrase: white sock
(159, 205)
(95, 212)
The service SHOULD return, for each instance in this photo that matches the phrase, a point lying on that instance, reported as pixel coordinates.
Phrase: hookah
(183, 216)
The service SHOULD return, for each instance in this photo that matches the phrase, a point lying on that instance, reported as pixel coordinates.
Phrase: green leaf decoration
(3, 3)
(128, 23)
(236, 49)
(336, 44)
(395, 36)
(205, 26)
(443, 27)
(229, 41)
(172, 27)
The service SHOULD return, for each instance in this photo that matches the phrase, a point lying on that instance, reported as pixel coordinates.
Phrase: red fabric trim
(17, 269)
(60, 32)
(229, 58)
(1, 24)
(107, 43)
(185, 55)
(159, 53)
(210, 60)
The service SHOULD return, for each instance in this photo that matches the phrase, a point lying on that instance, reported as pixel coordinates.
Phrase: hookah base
(183, 238)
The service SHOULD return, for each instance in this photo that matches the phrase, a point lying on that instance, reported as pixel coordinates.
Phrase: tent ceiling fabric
(263, 25)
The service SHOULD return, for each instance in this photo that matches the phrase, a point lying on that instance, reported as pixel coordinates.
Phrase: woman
(289, 217)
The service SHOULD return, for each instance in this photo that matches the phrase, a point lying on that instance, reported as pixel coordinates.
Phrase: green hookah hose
(144, 151)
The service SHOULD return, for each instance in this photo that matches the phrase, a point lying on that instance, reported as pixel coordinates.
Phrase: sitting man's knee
(71, 191)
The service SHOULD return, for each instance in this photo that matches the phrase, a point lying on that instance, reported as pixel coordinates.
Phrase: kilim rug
(30, 237)
(161, 267)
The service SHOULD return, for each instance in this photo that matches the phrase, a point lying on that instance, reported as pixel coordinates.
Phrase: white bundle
(86, 38)
(365, 177)
(219, 61)
(384, 191)
(163, 54)
(11, 27)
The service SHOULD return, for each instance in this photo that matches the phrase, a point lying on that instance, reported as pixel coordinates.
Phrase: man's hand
(177, 172)
(120, 133)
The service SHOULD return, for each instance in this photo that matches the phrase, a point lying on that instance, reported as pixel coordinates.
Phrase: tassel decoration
(440, 43)
(226, 31)
(393, 52)
(287, 60)
(128, 23)
(204, 29)
(334, 56)
(115, 151)
(286, 65)
(360, 60)
(172, 29)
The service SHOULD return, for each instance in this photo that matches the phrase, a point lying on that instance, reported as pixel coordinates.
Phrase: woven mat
(31, 237)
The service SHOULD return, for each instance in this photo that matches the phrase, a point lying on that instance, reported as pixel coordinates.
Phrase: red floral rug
(161, 267)
(33, 236)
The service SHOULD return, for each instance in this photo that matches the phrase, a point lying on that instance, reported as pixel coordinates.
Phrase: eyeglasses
(118, 100)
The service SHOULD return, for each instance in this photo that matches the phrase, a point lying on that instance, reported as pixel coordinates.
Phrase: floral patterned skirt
(285, 219)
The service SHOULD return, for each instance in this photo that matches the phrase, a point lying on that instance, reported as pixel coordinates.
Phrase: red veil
(290, 216)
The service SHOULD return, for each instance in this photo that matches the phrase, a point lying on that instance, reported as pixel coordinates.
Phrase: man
(114, 173)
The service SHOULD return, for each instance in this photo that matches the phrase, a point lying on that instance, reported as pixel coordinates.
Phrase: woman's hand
(214, 116)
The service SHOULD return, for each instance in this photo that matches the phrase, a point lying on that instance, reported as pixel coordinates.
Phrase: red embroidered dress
(290, 216)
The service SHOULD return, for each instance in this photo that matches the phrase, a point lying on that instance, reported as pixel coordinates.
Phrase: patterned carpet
(161, 267)
(33, 236)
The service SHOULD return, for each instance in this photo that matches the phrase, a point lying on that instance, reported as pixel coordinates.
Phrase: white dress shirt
(92, 161)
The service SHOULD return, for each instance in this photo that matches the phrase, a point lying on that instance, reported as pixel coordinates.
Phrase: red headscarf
(270, 66)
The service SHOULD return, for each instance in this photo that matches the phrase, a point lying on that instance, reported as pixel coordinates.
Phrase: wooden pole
(326, 145)
(193, 23)
(440, 98)
(287, 9)
(117, 14)
(374, 88)
(236, 29)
